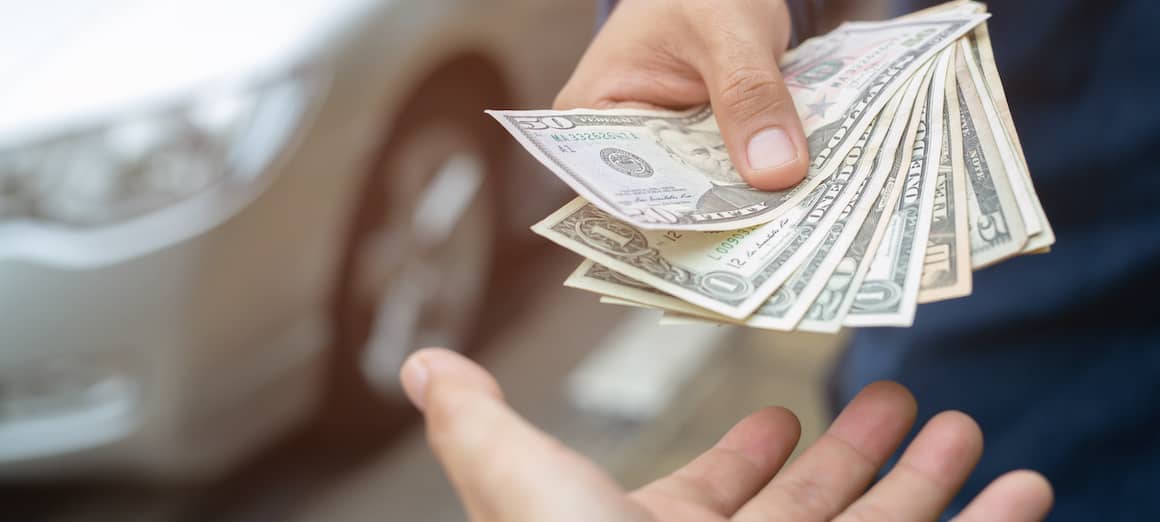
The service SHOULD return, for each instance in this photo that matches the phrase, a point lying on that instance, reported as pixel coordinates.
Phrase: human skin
(504, 469)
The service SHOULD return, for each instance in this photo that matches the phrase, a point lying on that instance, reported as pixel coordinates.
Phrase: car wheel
(418, 260)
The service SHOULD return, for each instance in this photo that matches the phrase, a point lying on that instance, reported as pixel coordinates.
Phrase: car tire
(416, 269)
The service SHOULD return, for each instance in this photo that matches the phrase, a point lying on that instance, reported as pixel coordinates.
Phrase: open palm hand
(504, 469)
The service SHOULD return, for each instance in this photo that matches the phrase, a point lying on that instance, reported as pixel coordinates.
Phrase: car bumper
(113, 370)
(177, 362)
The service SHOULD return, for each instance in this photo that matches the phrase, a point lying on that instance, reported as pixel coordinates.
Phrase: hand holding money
(684, 60)
(916, 178)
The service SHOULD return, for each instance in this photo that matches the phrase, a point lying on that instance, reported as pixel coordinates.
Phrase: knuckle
(749, 91)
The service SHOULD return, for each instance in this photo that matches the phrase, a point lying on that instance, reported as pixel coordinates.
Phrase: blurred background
(223, 226)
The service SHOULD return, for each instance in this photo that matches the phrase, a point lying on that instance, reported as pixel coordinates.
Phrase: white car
(204, 204)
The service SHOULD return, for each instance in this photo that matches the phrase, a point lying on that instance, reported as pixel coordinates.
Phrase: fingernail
(414, 376)
(771, 148)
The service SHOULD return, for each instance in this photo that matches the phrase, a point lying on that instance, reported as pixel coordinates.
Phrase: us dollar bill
(605, 299)
(985, 73)
(1005, 148)
(728, 273)
(934, 185)
(837, 282)
(770, 315)
(608, 283)
(888, 295)
(797, 296)
(1040, 238)
(679, 319)
(828, 310)
(995, 224)
(879, 144)
(946, 273)
(662, 170)
(792, 300)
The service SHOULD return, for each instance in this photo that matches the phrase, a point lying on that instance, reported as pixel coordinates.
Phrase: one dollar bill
(888, 295)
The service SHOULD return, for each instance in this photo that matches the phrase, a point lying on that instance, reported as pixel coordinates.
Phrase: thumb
(755, 113)
(502, 467)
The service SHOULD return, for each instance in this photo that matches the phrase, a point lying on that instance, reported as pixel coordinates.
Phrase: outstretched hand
(504, 469)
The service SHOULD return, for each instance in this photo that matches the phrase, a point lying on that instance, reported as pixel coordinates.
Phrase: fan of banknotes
(917, 178)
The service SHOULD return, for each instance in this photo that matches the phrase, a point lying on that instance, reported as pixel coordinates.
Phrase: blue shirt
(1057, 356)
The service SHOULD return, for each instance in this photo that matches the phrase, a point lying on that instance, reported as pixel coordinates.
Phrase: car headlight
(146, 162)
